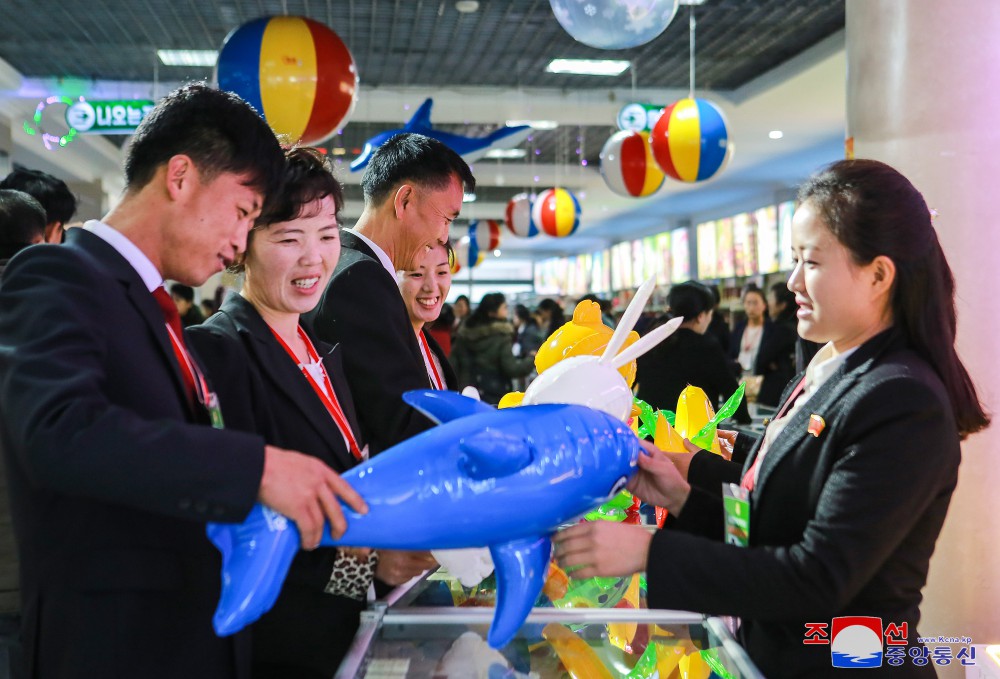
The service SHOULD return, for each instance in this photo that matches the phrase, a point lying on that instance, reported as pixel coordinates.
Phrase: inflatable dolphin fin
(261, 550)
(422, 118)
(492, 454)
(521, 567)
(445, 406)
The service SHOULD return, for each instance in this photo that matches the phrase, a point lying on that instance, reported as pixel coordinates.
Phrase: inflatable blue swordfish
(503, 479)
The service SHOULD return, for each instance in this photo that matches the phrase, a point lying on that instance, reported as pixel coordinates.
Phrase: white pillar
(923, 94)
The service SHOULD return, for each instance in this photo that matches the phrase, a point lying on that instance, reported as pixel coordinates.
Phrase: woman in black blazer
(688, 357)
(424, 291)
(275, 378)
(850, 485)
(761, 347)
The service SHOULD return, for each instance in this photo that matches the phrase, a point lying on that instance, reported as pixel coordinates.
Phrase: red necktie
(748, 478)
(173, 320)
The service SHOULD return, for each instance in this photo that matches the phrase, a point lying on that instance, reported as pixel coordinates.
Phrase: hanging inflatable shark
(470, 148)
(456, 485)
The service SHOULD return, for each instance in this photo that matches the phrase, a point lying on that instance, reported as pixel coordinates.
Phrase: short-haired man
(104, 414)
(413, 188)
(56, 198)
(22, 223)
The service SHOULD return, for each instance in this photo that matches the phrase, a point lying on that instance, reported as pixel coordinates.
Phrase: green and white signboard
(119, 116)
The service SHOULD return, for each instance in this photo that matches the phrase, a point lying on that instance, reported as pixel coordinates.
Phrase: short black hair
(185, 292)
(22, 221)
(410, 157)
(219, 131)
(463, 298)
(57, 200)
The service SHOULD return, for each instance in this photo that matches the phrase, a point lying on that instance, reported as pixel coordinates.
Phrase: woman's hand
(659, 482)
(602, 548)
(396, 567)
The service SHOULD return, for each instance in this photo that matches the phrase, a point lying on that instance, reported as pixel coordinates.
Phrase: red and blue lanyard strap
(432, 372)
(328, 397)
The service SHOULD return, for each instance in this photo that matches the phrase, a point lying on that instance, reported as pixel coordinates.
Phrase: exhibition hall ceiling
(481, 67)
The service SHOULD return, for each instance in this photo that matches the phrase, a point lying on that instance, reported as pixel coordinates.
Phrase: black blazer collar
(349, 239)
(108, 258)
(272, 360)
(796, 429)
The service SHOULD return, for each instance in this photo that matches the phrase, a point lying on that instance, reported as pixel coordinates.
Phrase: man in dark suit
(104, 417)
(413, 190)
(55, 197)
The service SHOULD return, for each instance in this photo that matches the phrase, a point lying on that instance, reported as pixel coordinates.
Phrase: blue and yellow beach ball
(690, 140)
(627, 165)
(467, 254)
(296, 72)
(556, 212)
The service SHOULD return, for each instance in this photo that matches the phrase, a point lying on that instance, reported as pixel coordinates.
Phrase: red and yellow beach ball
(627, 165)
(690, 140)
(518, 216)
(556, 212)
(296, 72)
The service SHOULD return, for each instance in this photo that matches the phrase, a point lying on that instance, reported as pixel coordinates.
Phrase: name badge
(736, 501)
(214, 410)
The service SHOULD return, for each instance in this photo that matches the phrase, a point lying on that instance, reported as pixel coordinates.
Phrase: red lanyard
(432, 373)
(748, 479)
(328, 397)
(190, 372)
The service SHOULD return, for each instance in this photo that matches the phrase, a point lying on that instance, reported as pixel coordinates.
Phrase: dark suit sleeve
(898, 458)
(72, 437)
(378, 361)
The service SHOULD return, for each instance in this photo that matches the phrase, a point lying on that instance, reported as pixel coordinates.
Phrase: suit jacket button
(185, 503)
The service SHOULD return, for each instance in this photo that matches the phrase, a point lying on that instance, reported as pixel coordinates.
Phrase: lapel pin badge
(816, 425)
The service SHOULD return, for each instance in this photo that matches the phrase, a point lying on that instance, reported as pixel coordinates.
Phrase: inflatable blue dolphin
(503, 479)
(470, 148)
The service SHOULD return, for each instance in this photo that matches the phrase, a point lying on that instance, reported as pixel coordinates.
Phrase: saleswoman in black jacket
(850, 485)
(688, 357)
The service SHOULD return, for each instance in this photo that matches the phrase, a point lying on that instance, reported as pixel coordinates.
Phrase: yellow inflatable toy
(583, 335)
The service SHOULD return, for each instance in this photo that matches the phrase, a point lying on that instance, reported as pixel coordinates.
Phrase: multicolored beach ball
(556, 212)
(485, 233)
(627, 165)
(467, 254)
(518, 216)
(296, 72)
(690, 140)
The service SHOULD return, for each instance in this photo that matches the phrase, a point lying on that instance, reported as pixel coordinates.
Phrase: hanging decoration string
(691, 25)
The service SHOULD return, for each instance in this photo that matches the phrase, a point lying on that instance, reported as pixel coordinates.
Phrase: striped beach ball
(467, 253)
(556, 212)
(486, 234)
(518, 216)
(690, 140)
(296, 72)
(627, 165)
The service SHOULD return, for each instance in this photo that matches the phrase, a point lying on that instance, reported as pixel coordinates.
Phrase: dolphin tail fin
(256, 555)
(521, 567)
(422, 118)
(445, 406)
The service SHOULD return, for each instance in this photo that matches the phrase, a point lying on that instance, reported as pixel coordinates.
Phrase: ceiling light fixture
(775, 134)
(506, 153)
(467, 6)
(468, 198)
(692, 2)
(606, 67)
(537, 124)
(187, 57)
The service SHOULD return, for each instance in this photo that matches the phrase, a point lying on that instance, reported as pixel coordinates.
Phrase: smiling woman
(424, 289)
(275, 378)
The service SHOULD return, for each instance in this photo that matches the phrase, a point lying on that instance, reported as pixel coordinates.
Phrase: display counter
(436, 628)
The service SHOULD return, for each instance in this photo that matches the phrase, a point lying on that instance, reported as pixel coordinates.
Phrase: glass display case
(437, 628)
